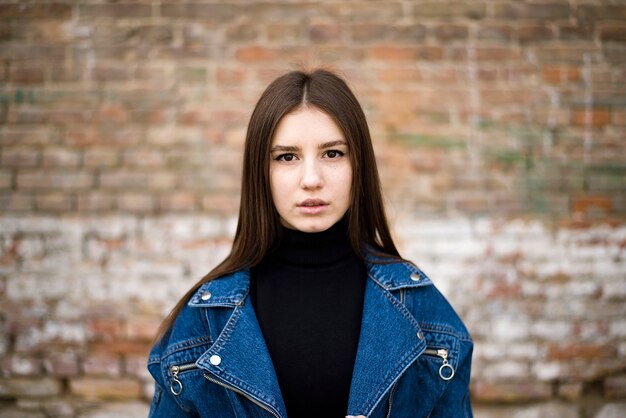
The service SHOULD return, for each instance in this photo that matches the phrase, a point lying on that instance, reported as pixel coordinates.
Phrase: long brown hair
(258, 228)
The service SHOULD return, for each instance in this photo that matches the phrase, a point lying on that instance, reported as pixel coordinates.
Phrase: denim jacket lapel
(390, 341)
(239, 358)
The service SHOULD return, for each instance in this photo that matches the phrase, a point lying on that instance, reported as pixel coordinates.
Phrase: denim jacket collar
(390, 339)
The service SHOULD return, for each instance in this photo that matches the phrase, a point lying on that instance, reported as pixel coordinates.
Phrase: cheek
(346, 180)
(277, 187)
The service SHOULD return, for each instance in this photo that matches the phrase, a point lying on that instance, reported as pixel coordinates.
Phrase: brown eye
(334, 154)
(285, 157)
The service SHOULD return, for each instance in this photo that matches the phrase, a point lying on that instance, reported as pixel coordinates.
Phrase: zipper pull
(176, 386)
(443, 353)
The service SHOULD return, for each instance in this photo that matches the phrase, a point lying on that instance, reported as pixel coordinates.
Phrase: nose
(312, 177)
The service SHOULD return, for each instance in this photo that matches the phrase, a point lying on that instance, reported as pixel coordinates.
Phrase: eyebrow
(290, 148)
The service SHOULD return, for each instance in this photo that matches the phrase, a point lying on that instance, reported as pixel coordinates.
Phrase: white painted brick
(118, 409)
(612, 410)
(614, 290)
(510, 328)
(547, 371)
(504, 370)
(38, 286)
(618, 328)
(551, 330)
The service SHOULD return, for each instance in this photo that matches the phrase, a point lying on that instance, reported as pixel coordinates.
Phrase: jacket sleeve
(163, 406)
(455, 401)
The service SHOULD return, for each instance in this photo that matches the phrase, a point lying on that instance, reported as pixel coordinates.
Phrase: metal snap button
(416, 277)
(215, 360)
(206, 296)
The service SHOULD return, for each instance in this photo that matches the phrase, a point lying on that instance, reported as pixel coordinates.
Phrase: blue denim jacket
(413, 358)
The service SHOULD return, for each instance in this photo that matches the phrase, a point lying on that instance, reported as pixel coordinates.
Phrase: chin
(312, 226)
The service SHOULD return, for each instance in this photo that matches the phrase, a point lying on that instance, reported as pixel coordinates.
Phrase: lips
(312, 203)
(312, 207)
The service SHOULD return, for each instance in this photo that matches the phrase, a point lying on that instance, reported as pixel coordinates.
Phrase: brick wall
(499, 128)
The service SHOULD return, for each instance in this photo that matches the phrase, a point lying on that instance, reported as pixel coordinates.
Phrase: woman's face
(310, 171)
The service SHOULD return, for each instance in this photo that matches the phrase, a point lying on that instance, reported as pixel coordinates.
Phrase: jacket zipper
(442, 353)
(176, 386)
(259, 404)
(393, 389)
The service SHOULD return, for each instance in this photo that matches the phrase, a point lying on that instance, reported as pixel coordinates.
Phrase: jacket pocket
(446, 370)
(176, 385)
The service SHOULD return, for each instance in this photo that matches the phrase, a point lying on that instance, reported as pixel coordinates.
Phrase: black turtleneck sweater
(308, 297)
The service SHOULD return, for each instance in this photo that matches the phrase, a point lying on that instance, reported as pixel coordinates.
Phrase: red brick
(100, 157)
(615, 387)
(518, 10)
(6, 179)
(534, 33)
(219, 12)
(594, 117)
(140, 203)
(254, 53)
(327, 53)
(560, 74)
(614, 53)
(366, 32)
(399, 76)
(613, 33)
(121, 347)
(104, 329)
(17, 202)
(102, 364)
(586, 204)
(105, 389)
(586, 351)
(146, 34)
(570, 391)
(115, 10)
(448, 9)
(593, 12)
(144, 157)
(324, 32)
(178, 202)
(61, 364)
(510, 392)
(110, 73)
(407, 32)
(35, 11)
(496, 32)
(111, 113)
(398, 53)
(192, 75)
(446, 32)
(96, 202)
(51, 201)
(60, 157)
(142, 328)
(48, 179)
(569, 31)
(234, 76)
(220, 203)
(619, 118)
(30, 387)
(20, 156)
(135, 366)
(282, 31)
(27, 75)
(246, 31)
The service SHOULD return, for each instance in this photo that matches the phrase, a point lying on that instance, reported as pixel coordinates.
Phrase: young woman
(314, 313)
